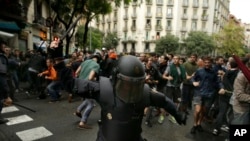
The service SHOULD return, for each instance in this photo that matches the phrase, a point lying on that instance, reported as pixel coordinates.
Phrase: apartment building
(139, 24)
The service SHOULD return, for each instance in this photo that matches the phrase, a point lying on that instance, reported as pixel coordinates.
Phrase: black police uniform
(121, 120)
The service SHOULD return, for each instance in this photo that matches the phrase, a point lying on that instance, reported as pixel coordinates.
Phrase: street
(56, 122)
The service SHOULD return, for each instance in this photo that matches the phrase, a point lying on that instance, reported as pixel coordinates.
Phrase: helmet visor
(129, 89)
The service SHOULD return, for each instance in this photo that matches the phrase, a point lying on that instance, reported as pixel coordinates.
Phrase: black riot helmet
(128, 79)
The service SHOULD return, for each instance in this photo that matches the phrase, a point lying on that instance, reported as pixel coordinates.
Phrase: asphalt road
(58, 120)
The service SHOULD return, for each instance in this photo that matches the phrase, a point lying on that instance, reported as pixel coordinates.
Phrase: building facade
(139, 24)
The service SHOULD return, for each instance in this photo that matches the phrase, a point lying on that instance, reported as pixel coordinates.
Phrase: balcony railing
(40, 20)
(148, 27)
(125, 29)
(195, 5)
(158, 15)
(125, 17)
(133, 27)
(205, 5)
(204, 17)
(148, 15)
(158, 27)
(168, 28)
(195, 17)
(133, 16)
(169, 16)
(149, 2)
(184, 17)
(183, 29)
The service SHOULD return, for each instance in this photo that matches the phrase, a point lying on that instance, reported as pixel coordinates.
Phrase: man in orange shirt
(55, 85)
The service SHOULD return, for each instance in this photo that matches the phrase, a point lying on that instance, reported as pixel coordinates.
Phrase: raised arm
(160, 100)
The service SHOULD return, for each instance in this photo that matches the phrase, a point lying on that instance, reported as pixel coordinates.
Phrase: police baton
(14, 103)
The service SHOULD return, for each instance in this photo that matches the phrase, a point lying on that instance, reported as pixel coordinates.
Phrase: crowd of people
(214, 89)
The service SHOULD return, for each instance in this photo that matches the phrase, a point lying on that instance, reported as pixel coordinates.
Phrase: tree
(96, 38)
(199, 42)
(167, 44)
(230, 40)
(66, 13)
(111, 41)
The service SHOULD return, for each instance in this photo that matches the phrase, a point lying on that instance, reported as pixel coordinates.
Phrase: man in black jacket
(4, 88)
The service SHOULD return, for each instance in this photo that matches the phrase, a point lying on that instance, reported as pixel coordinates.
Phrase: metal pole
(90, 36)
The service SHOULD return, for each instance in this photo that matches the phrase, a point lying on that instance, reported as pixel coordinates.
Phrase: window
(185, 11)
(169, 23)
(158, 22)
(185, 2)
(124, 47)
(159, 1)
(159, 11)
(203, 25)
(169, 12)
(147, 36)
(147, 49)
(194, 25)
(158, 35)
(133, 47)
(184, 23)
(134, 23)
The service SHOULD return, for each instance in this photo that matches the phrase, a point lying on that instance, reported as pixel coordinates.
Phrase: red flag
(242, 67)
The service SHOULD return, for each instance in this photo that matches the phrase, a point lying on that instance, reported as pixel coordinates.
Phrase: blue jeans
(88, 104)
(53, 89)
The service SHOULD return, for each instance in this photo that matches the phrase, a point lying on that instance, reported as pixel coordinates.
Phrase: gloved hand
(181, 118)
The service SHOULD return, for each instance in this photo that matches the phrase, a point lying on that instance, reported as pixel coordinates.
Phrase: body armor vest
(120, 121)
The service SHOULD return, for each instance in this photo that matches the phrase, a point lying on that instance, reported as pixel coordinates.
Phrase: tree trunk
(85, 36)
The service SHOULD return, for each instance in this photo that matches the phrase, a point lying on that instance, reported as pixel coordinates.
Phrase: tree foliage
(199, 42)
(110, 41)
(95, 40)
(167, 44)
(230, 40)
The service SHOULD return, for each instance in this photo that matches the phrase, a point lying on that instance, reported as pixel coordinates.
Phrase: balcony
(134, 3)
(204, 17)
(148, 15)
(39, 20)
(159, 3)
(158, 15)
(148, 27)
(168, 28)
(195, 17)
(184, 17)
(195, 5)
(170, 3)
(169, 16)
(158, 27)
(134, 16)
(103, 21)
(133, 28)
(108, 20)
(183, 29)
(115, 19)
(125, 5)
(185, 4)
(205, 5)
(125, 17)
(115, 29)
(149, 2)
(125, 29)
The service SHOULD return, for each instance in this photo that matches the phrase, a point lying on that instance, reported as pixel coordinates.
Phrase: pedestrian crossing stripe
(19, 119)
(9, 109)
(33, 134)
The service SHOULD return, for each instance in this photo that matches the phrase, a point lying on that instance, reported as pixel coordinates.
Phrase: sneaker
(225, 128)
(193, 130)
(199, 128)
(172, 119)
(78, 114)
(84, 126)
(215, 132)
(161, 119)
(3, 120)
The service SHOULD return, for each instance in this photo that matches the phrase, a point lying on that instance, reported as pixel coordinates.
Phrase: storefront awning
(9, 26)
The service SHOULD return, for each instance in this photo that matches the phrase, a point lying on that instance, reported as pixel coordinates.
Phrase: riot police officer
(4, 88)
(123, 99)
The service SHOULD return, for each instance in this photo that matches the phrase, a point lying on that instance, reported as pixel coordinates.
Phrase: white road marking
(19, 119)
(33, 134)
(9, 109)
